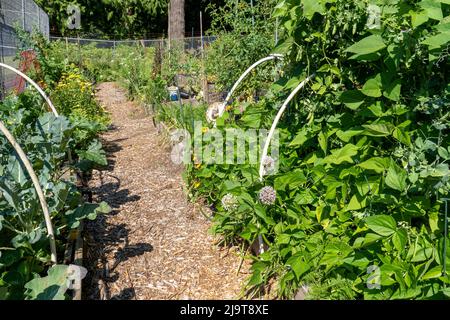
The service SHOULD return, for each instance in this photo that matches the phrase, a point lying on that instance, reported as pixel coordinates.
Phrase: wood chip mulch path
(155, 244)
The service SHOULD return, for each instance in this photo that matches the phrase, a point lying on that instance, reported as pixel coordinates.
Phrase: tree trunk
(176, 20)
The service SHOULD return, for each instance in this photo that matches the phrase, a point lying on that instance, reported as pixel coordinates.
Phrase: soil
(154, 244)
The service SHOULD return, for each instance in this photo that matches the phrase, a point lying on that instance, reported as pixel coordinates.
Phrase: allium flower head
(229, 202)
(267, 195)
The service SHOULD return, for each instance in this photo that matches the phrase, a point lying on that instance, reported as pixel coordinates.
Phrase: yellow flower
(197, 184)
(228, 108)
(205, 129)
(198, 166)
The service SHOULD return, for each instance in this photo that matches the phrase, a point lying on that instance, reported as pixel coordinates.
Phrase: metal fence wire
(190, 43)
(17, 13)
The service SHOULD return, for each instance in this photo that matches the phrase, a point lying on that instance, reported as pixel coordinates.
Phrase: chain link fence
(192, 43)
(25, 14)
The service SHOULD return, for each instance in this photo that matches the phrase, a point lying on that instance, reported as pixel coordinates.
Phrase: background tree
(176, 20)
(121, 19)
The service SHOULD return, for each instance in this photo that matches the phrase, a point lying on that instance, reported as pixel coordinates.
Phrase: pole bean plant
(359, 207)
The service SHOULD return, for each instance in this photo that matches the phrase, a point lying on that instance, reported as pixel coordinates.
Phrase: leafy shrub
(244, 35)
(24, 244)
(46, 140)
(75, 97)
(364, 155)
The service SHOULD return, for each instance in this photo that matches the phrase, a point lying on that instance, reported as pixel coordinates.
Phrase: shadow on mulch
(125, 294)
(112, 192)
(102, 238)
(114, 196)
(112, 147)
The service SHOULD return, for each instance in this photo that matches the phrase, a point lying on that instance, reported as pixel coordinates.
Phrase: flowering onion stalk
(229, 202)
(267, 195)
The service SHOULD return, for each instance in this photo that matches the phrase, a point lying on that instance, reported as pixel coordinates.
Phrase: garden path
(155, 244)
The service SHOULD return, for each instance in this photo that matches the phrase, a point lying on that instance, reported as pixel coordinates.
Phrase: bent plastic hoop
(275, 123)
(34, 84)
(27, 164)
(243, 76)
(40, 192)
(270, 136)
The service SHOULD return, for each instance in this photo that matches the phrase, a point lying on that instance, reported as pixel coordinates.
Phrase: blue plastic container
(173, 93)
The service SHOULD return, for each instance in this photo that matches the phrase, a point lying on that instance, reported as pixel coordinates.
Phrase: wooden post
(79, 50)
(204, 78)
(253, 14)
(276, 32)
(23, 14)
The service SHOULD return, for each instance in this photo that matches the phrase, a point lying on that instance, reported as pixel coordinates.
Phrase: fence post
(276, 31)
(39, 19)
(79, 50)
(253, 14)
(23, 14)
(205, 78)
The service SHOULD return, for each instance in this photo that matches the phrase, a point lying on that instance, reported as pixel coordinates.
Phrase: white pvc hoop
(243, 76)
(34, 84)
(27, 164)
(275, 123)
(39, 191)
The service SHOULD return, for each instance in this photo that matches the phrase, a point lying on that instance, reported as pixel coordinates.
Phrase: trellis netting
(25, 14)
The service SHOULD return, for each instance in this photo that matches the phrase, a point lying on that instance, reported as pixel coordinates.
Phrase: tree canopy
(121, 18)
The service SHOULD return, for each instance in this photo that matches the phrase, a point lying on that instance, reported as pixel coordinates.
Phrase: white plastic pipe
(41, 92)
(242, 77)
(27, 164)
(275, 123)
(34, 84)
(40, 192)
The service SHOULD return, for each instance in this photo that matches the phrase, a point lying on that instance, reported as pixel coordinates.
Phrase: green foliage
(47, 141)
(119, 18)
(364, 148)
(364, 155)
(366, 101)
(23, 240)
(245, 35)
(51, 287)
